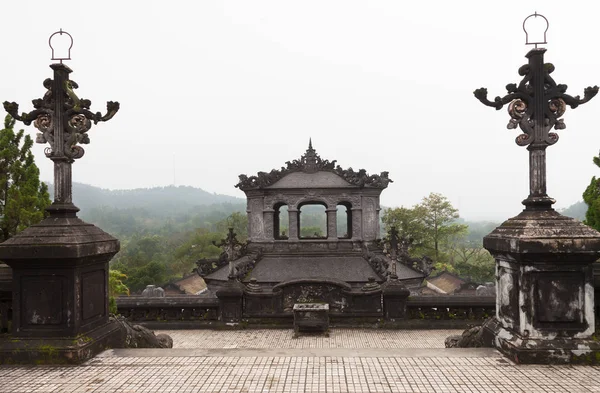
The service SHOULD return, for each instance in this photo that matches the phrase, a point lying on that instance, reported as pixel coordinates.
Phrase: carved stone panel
(558, 298)
(314, 293)
(269, 225)
(256, 218)
(369, 216)
(508, 296)
(293, 222)
(93, 297)
(42, 300)
(357, 224)
(332, 224)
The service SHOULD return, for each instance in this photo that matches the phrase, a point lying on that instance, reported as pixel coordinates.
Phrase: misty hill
(168, 200)
(576, 210)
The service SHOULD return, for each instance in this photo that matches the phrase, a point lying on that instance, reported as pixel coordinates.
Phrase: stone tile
(377, 372)
(283, 338)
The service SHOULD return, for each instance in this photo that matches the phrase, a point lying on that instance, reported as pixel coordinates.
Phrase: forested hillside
(165, 230)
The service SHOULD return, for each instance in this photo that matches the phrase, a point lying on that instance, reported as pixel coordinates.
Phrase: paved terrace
(272, 361)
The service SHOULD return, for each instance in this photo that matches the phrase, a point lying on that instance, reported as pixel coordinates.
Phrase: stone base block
(559, 350)
(63, 350)
(311, 317)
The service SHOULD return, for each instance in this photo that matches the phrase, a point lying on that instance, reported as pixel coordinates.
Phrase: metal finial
(61, 32)
(310, 144)
(535, 15)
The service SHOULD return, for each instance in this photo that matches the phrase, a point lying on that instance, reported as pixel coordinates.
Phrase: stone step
(305, 352)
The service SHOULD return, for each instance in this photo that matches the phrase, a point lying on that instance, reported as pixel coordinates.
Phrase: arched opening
(344, 220)
(312, 221)
(281, 222)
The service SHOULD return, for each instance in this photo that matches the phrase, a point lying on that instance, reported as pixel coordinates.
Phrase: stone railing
(177, 312)
(174, 312)
(448, 311)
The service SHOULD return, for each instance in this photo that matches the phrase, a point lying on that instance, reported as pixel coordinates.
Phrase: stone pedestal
(231, 298)
(311, 317)
(60, 291)
(545, 293)
(395, 296)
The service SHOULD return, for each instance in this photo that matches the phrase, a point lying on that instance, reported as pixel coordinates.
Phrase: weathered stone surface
(311, 317)
(488, 289)
(473, 337)
(136, 336)
(535, 232)
(59, 239)
(59, 350)
(452, 341)
(231, 298)
(395, 295)
(545, 302)
(153, 291)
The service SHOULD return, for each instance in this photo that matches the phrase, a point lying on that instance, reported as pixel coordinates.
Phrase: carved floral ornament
(76, 112)
(311, 162)
(520, 100)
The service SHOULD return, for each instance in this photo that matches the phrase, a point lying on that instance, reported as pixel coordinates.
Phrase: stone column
(255, 219)
(377, 221)
(293, 222)
(545, 294)
(268, 215)
(231, 298)
(395, 296)
(332, 224)
(60, 266)
(357, 223)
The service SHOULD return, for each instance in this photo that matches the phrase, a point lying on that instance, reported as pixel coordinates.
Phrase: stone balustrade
(177, 312)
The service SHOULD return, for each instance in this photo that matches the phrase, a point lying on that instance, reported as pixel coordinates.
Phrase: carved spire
(311, 162)
(311, 159)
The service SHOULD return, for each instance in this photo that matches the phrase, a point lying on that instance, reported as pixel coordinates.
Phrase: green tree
(144, 261)
(199, 245)
(591, 196)
(311, 232)
(439, 220)
(23, 198)
(410, 225)
(116, 287)
(238, 221)
(472, 261)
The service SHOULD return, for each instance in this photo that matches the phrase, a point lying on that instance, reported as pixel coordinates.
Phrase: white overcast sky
(212, 89)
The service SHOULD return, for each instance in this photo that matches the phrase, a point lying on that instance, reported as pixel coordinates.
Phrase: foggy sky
(212, 89)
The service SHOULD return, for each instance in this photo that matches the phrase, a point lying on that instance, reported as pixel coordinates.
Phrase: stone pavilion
(343, 265)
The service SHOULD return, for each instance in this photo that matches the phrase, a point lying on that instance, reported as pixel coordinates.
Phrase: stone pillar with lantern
(545, 294)
(60, 266)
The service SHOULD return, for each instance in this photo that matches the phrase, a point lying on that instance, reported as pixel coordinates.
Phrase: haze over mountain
(170, 199)
(182, 199)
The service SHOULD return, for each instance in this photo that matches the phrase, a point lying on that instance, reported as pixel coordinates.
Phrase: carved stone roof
(310, 163)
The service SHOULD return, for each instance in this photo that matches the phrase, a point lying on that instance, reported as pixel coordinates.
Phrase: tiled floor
(283, 338)
(372, 369)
